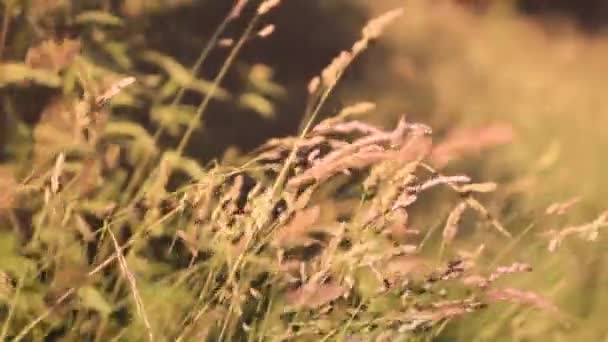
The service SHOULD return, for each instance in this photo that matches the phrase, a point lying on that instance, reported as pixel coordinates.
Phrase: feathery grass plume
(417, 145)
(225, 42)
(57, 171)
(451, 225)
(313, 85)
(329, 167)
(398, 228)
(376, 26)
(475, 205)
(518, 296)
(478, 187)
(228, 202)
(369, 149)
(345, 128)
(116, 88)
(455, 308)
(560, 208)
(354, 110)
(404, 200)
(296, 230)
(410, 194)
(332, 72)
(236, 10)
(388, 183)
(266, 31)
(513, 268)
(374, 29)
(329, 77)
(441, 180)
(267, 6)
(139, 304)
(463, 142)
(589, 231)
(238, 253)
(485, 282)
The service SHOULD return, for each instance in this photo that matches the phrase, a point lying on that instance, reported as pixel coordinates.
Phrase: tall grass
(347, 231)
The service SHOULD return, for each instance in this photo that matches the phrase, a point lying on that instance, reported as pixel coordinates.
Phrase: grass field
(442, 180)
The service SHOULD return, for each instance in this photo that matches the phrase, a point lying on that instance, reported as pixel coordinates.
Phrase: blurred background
(538, 66)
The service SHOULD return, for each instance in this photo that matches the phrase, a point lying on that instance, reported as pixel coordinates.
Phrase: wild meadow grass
(347, 231)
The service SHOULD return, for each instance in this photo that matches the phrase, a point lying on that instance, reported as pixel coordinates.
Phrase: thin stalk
(262, 328)
(280, 182)
(226, 321)
(216, 82)
(139, 173)
(94, 271)
(44, 315)
(198, 64)
(11, 310)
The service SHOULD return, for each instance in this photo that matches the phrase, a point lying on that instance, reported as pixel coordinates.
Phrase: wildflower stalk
(212, 43)
(330, 76)
(216, 82)
(108, 261)
(281, 179)
(12, 308)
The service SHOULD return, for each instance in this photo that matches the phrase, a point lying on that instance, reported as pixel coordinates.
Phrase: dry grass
(328, 235)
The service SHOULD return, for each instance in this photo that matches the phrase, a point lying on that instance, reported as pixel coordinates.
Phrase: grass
(346, 231)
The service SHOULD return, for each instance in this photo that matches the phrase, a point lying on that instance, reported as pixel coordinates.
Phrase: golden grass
(327, 235)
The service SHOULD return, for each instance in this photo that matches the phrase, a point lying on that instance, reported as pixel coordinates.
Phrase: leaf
(259, 104)
(13, 73)
(98, 17)
(91, 298)
(182, 76)
(118, 52)
(142, 143)
(11, 260)
(173, 118)
(260, 76)
(187, 165)
(96, 71)
(133, 130)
